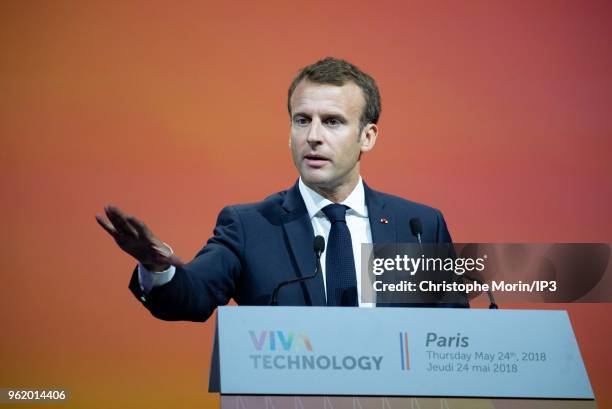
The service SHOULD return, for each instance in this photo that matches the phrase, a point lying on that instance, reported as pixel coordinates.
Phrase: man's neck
(337, 194)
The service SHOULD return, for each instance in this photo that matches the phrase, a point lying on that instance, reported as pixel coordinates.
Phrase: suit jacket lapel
(382, 221)
(301, 235)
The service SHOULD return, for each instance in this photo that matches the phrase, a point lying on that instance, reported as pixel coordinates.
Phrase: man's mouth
(315, 160)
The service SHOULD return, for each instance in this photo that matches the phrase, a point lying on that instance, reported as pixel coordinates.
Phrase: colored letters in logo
(280, 341)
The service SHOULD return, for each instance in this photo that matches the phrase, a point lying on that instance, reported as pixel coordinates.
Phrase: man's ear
(368, 136)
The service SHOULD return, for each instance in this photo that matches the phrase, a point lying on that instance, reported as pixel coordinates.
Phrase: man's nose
(314, 133)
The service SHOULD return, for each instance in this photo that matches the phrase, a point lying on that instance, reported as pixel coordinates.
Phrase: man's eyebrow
(324, 117)
(338, 116)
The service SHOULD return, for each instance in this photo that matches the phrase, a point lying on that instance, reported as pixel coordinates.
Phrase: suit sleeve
(209, 280)
(442, 234)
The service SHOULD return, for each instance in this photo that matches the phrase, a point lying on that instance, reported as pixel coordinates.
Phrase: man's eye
(333, 122)
(300, 120)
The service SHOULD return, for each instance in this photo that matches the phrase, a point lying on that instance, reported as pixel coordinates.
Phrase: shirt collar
(315, 202)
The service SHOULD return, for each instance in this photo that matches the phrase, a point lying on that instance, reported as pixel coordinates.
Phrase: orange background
(496, 112)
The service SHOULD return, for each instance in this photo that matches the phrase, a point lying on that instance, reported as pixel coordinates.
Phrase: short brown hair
(335, 71)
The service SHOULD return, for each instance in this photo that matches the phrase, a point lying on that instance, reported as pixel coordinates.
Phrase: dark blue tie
(340, 277)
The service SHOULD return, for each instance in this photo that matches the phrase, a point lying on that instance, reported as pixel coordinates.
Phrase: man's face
(325, 140)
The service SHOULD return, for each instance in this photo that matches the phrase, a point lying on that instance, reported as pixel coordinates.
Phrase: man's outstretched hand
(135, 238)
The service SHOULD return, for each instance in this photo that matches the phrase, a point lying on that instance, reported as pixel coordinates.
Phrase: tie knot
(335, 212)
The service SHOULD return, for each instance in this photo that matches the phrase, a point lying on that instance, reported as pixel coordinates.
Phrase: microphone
(492, 304)
(318, 246)
(417, 230)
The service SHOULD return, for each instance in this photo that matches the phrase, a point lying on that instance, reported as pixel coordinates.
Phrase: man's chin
(316, 181)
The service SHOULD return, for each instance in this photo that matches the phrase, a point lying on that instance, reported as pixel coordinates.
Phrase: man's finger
(106, 225)
(119, 220)
(141, 228)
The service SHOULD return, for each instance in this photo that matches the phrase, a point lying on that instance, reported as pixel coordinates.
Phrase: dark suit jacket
(256, 246)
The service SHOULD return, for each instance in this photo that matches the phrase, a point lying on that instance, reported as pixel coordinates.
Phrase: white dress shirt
(356, 220)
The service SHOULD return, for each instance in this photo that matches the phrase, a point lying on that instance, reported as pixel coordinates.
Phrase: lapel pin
(384, 220)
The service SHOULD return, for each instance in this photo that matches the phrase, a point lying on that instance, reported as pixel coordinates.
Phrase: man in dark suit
(334, 109)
